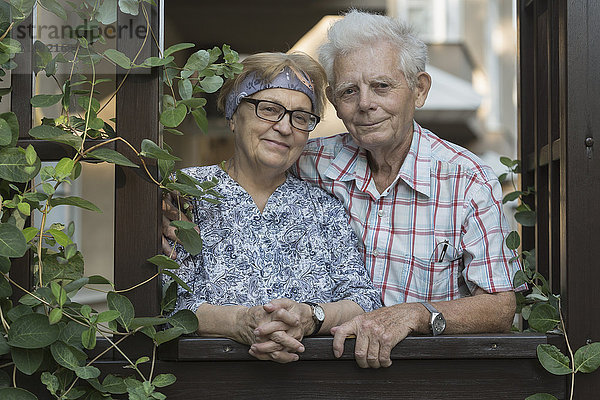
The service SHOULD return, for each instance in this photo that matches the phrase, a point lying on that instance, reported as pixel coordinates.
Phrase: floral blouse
(300, 247)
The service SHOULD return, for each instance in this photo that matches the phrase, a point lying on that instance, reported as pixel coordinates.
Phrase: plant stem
(153, 360)
(124, 355)
(562, 323)
(39, 246)
(6, 365)
(4, 323)
(98, 356)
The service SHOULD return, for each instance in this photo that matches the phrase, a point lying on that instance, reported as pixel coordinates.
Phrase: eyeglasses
(274, 112)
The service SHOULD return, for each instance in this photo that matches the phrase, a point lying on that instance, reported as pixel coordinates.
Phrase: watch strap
(318, 322)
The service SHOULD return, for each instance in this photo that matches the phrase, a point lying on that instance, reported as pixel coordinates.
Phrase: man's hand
(170, 212)
(378, 331)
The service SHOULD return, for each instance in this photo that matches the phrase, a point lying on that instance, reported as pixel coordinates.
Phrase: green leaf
(194, 102)
(197, 61)
(526, 218)
(45, 100)
(190, 239)
(71, 333)
(164, 380)
(76, 285)
(519, 279)
(121, 304)
(61, 238)
(88, 339)
(185, 89)
(24, 208)
(543, 318)
(32, 331)
(4, 347)
(54, 134)
(54, 269)
(55, 316)
(511, 196)
(14, 166)
(167, 335)
(508, 162)
(541, 396)
(553, 360)
(5, 133)
(51, 382)
(131, 7)
(114, 385)
(211, 84)
(142, 360)
(30, 154)
(18, 311)
(5, 288)
(174, 132)
(147, 321)
(163, 261)
(4, 264)
(151, 150)
(87, 372)
(13, 122)
(186, 320)
(65, 355)
(169, 298)
(177, 279)
(108, 315)
(55, 8)
(12, 241)
(111, 156)
(513, 240)
(116, 56)
(199, 115)
(157, 61)
(99, 280)
(178, 47)
(172, 117)
(502, 177)
(74, 201)
(16, 394)
(58, 292)
(107, 12)
(587, 358)
(85, 103)
(27, 360)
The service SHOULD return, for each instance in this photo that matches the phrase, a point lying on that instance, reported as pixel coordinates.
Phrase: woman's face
(271, 147)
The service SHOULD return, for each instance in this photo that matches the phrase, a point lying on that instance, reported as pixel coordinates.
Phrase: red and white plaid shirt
(444, 197)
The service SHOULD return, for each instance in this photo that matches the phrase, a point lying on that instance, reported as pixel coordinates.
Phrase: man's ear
(329, 94)
(331, 98)
(422, 89)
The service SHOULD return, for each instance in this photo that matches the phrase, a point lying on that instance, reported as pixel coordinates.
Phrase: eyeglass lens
(275, 112)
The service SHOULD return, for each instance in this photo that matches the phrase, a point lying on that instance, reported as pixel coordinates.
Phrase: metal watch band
(429, 307)
(437, 322)
(318, 322)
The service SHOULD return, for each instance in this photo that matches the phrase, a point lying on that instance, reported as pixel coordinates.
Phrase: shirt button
(380, 213)
(375, 252)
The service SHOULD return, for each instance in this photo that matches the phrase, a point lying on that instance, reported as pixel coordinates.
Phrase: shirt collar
(351, 163)
(416, 169)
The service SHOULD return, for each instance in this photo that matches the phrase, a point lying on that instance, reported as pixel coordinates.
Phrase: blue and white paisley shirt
(301, 247)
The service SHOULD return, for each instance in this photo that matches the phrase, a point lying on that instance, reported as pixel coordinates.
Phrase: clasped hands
(274, 331)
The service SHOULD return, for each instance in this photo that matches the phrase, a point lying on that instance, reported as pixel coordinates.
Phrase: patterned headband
(288, 78)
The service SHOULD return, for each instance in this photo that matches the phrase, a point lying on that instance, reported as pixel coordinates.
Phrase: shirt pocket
(433, 281)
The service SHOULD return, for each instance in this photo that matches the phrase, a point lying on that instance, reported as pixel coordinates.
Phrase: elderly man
(428, 213)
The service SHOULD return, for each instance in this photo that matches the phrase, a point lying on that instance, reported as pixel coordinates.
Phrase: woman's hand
(278, 339)
(170, 212)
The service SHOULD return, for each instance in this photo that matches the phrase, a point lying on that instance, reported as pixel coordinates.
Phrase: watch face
(439, 324)
(319, 313)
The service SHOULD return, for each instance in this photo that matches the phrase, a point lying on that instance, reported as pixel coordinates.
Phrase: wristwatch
(437, 323)
(318, 315)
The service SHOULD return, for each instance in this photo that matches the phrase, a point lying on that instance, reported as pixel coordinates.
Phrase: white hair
(359, 29)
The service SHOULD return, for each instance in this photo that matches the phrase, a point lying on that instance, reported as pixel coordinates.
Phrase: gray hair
(359, 29)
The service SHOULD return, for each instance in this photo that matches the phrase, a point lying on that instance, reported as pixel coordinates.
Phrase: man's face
(372, 97)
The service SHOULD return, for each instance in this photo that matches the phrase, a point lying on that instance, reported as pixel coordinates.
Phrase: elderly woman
(279, 260)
